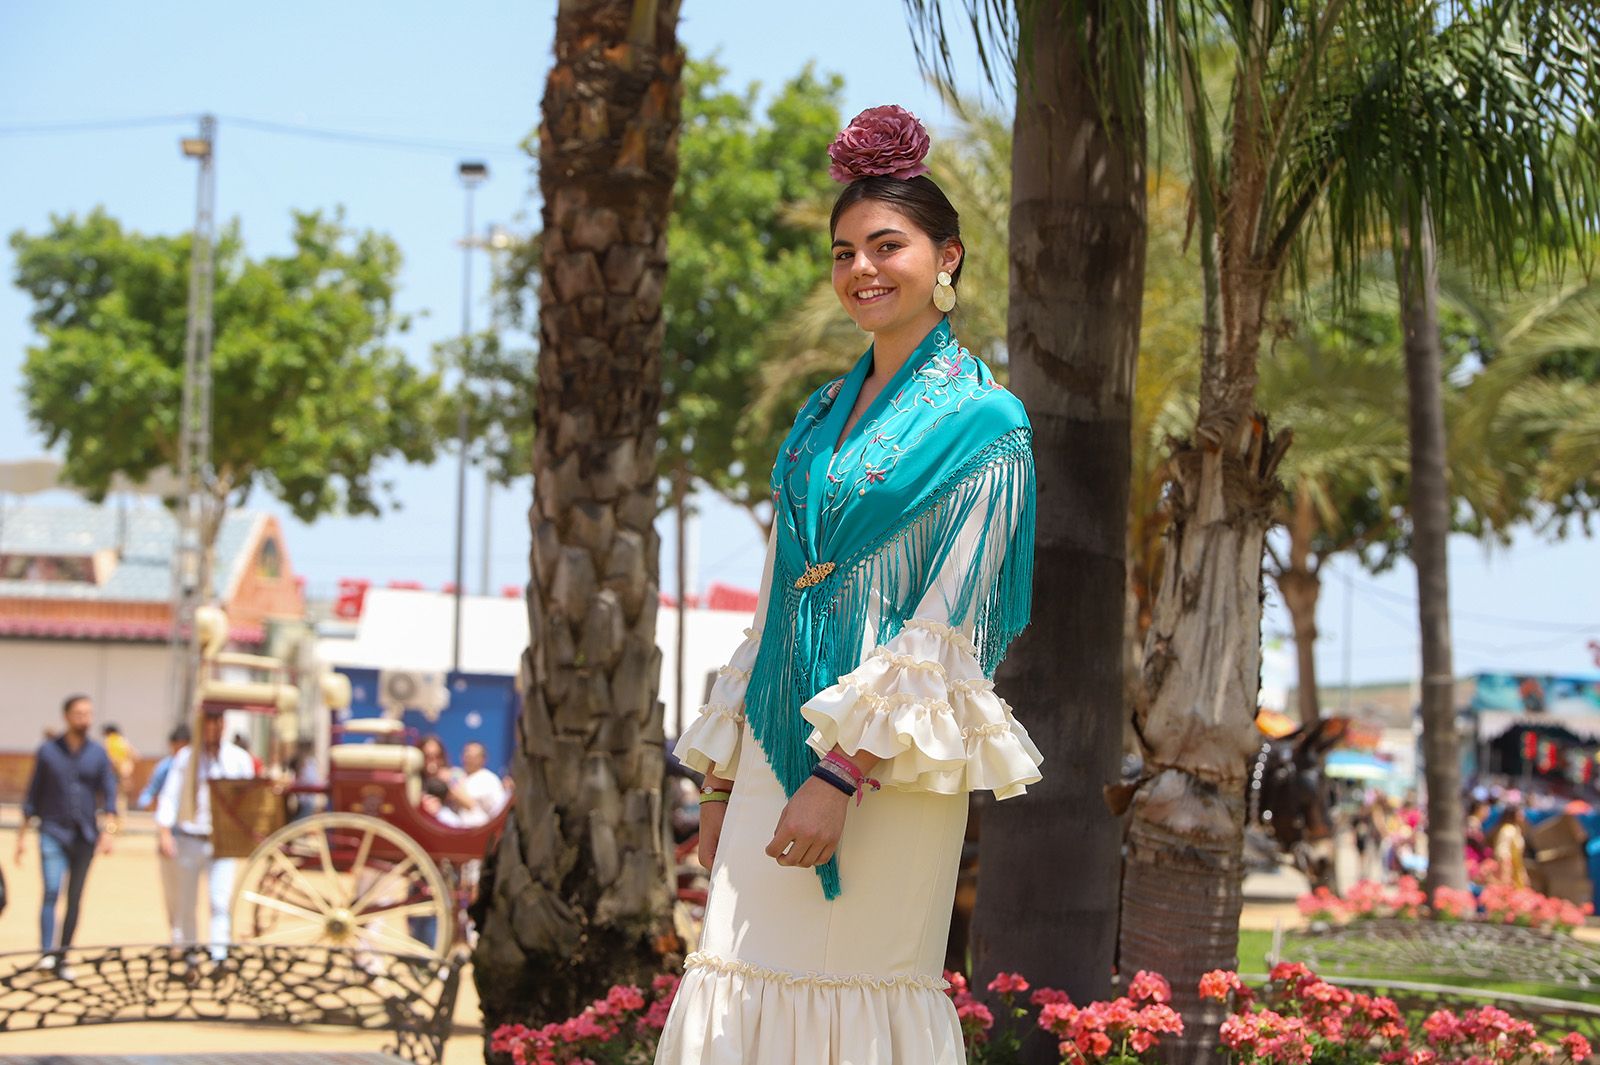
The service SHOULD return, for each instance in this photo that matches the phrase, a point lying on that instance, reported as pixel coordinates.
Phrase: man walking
(72, 778)
(187, 843)
(177, 740)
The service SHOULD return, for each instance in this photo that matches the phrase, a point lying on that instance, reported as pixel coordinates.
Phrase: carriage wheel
(334, 880)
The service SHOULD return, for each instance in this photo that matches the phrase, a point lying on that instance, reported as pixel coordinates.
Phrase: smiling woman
(899, 570)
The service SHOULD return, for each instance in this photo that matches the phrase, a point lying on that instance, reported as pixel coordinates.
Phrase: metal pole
(461, 427)
(488, 512)
(191, 577)
(194, 430)
(680, 490)
(1349, 638)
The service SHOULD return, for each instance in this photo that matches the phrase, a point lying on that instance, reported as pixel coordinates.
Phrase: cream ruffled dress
(782, 974)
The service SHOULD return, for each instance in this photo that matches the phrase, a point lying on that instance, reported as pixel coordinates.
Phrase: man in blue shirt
(72, 778)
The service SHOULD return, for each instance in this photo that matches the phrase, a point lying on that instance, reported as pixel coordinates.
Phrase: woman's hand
(711, 817)
(810, 825)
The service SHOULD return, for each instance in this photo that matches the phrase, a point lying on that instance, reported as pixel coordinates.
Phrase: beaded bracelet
(821, 772)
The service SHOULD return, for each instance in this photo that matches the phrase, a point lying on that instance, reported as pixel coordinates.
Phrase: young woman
(900, 568)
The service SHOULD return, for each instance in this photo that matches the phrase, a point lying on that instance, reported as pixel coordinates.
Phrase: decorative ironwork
(413, 998)
(1422, 948)
(1552, 1016)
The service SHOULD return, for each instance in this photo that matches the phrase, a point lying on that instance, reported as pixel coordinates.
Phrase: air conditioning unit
(400, 690)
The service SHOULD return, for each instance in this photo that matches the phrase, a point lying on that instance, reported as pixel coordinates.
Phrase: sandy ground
(122, 905)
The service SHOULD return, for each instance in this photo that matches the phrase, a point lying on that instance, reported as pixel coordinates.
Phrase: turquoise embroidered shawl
(940, 450)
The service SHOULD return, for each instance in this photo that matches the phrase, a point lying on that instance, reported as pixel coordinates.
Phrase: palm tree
(579, 892)
(1322, 119)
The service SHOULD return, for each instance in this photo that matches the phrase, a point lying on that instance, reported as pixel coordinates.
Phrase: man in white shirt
(483, 787)
(187, 843)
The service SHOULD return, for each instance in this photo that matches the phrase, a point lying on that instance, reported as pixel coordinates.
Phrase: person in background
(72, 778)
(187, 843)
(307, 774)
(482, 786)
(1508, 845)
(1477, 841)
(244, 745)
(124, 759)
(177, 740)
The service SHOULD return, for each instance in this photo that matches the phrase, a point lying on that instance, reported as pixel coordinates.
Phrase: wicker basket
(243, 813)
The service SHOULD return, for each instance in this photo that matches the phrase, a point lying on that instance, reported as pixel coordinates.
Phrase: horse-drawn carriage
(372, 870)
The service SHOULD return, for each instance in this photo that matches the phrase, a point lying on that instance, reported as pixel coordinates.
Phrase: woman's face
(884, 267)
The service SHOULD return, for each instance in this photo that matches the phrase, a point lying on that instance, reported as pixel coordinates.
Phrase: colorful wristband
(715, 796)
(822, 773)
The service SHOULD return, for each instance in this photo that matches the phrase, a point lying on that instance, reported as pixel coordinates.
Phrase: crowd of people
(80, 789)
(1391, 834)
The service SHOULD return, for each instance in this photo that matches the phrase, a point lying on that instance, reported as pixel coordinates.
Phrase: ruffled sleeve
(712, 741)
(921, 701)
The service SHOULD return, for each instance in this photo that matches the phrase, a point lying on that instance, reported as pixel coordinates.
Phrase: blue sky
(466, 79)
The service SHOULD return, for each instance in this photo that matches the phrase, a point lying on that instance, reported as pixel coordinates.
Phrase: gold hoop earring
(944, 293)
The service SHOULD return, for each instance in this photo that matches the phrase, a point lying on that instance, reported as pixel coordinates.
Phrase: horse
(1288, 805)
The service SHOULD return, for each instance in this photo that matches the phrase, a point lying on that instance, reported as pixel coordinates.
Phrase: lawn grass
(1255, 943)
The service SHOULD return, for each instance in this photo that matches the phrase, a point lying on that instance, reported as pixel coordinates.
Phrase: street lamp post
(495, 241)
(189, 576)
(472, 174)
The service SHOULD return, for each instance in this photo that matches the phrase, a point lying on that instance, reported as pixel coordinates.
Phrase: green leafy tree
(739, 260)
(309, 394)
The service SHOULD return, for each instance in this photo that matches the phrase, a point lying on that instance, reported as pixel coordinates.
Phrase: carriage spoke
(298, 878)
(294, 935)
(363, 852)
(411, 909)
(376, 937)
(400, 869)
(268, 902)
(327, 859)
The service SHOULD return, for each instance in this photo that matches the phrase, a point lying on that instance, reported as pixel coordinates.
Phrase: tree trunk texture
(1077, 280)
(1300, 584)
(1195, 714)
(1184, 853)
(1430, 517)
(579, 897)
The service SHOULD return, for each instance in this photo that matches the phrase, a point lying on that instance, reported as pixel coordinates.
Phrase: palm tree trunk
(1430, 518)
(1300, 584)
(1184, 868)
(580, 891)
(1077, 269)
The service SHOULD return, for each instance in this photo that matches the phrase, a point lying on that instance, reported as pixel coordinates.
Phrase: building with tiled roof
(86, 606)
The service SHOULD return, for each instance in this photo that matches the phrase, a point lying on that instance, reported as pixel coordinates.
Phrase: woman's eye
(885, 249)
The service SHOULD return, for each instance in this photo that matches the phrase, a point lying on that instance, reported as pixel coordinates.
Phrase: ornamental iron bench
(412, 998)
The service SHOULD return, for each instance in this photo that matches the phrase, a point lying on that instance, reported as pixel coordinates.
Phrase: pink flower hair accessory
(885, 141)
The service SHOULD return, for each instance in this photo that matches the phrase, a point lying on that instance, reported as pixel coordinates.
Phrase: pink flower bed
(1406, 900)
(622, 1027)
(1301, 1019)
(1296, 1019)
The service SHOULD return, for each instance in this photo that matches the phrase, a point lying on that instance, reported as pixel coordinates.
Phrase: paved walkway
(122, 905)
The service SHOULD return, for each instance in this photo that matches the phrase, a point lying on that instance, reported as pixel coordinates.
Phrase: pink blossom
(1150, 987)
(1217, 984)
(1008, 984)
(1045, 996)
(880, 141)
(1576, 1046)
